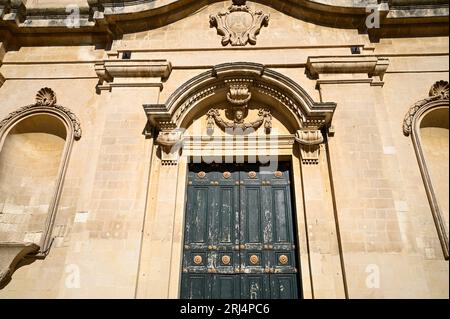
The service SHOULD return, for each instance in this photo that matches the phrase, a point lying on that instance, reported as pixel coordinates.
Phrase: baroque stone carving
(45, 101)
(439, 91)
(170, 139)
(239, 95)
(46, 97)
(240, 24)
(309, 141)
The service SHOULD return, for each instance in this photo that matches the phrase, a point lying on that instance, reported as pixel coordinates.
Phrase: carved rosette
(170, 139)
(309, 141)
(439, 91)
(240, 24)
(45, 100)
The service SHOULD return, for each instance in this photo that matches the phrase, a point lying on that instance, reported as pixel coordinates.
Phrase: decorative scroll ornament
(45, 100)
(309, 141)
(171, 141)
(239, 96)
(439, 91)
(240, 24)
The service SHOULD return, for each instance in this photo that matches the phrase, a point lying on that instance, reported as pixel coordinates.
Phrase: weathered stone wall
(113, 233)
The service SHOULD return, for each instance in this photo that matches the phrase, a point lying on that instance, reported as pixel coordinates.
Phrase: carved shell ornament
(46, 97)
(240, 24)
(440, 89)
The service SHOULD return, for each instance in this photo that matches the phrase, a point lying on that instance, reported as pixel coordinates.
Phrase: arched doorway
(228, 168)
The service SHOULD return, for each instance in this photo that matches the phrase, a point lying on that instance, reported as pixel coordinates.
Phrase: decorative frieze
(309, 141)
(240, 24)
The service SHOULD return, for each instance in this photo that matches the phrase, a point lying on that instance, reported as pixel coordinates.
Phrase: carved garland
(45, 101)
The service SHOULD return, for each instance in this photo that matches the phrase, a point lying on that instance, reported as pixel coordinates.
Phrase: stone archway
(201, 119)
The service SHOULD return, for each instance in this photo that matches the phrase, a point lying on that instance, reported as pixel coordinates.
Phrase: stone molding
(12, 256)
(45, 102)
(2, 80)
(105, 20)
(261, 80)
(110, 71)
(373, 68)
(237, 83)
(438, 98)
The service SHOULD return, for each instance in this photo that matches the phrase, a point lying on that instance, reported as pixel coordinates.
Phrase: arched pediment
(214, 85)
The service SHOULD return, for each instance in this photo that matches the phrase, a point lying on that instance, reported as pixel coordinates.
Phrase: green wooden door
(239, 234)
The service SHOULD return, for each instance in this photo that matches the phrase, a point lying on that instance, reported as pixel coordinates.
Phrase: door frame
(300, 228)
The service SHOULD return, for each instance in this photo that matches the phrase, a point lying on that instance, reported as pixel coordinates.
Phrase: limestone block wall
(114, 228)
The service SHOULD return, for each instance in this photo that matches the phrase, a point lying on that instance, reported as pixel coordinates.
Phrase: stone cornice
(105, 20)
(371, 67)
(110, 70)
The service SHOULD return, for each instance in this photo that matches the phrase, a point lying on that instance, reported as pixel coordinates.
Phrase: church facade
(166, 149)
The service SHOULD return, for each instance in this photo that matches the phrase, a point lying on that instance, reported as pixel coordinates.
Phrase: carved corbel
(170, 139)
(12, 256)
(309, 141)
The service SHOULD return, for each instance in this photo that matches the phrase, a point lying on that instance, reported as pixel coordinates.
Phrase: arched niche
(35, 145)
(427, 123)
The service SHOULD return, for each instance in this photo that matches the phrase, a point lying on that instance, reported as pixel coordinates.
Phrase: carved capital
(309, 141)
(240, 24)
(170, 139)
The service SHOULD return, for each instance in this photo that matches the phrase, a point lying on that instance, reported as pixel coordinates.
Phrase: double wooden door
(239, 234)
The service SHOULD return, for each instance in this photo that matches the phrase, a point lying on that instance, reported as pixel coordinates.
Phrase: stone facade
(133, 87)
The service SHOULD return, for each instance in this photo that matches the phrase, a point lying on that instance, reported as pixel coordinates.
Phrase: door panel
(239, 237)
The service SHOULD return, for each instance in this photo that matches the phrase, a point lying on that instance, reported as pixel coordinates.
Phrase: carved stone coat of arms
(240, 24)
